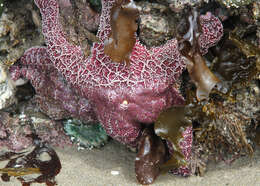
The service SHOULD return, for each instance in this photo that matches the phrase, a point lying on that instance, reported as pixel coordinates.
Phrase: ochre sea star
(124, 98)
(121, 96)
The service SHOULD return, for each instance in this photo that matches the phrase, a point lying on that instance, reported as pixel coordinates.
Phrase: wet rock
(154, 27)
(18, 30)
(80, 22)
(180, 4)
(7, 89)
(235, 3)
(12, 134)
(17, 127)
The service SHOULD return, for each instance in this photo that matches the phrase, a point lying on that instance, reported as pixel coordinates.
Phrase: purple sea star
(123, 98)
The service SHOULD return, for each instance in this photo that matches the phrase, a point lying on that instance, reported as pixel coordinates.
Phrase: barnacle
(225, 135)
(122, 38)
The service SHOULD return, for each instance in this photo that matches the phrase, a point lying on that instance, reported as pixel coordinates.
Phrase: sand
(113, 165)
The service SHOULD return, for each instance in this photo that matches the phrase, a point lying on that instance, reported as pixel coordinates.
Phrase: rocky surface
(7, 88)
(19, 30)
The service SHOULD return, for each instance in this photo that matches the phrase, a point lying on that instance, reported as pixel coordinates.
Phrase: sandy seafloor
(95, 167)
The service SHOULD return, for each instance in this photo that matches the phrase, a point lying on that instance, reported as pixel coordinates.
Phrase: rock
(7, 89)
(235, 3)
(19, 30)
(154, 27)
(180, 4)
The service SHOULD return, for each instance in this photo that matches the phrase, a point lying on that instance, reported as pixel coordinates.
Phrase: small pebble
(114, 173)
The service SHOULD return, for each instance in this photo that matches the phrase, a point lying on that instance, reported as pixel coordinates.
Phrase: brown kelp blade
(122, 39)
(151, 155)
(201, 75)
(169, 126)
(40, 165)
(20, 171)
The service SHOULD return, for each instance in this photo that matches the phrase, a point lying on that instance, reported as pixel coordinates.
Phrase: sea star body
(122, 96)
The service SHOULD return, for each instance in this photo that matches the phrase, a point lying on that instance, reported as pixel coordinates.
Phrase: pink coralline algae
(16, 131)
(122, 98)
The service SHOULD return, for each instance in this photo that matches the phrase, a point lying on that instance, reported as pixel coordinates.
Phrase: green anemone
(91, 135)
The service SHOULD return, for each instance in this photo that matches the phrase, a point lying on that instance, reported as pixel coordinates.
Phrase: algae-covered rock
(235, 3)
(18, 29)
(154, 27)
(19, 123)
(180, 4)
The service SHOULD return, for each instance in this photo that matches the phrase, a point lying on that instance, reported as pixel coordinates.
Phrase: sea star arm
(54, 94)
(66, 57)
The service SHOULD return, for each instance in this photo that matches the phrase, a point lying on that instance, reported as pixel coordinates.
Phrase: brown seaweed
(41, 161)
(199, 72)
(236, 63)
(122, 38)
(202, 76)
(151, 155)
(169, 126)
